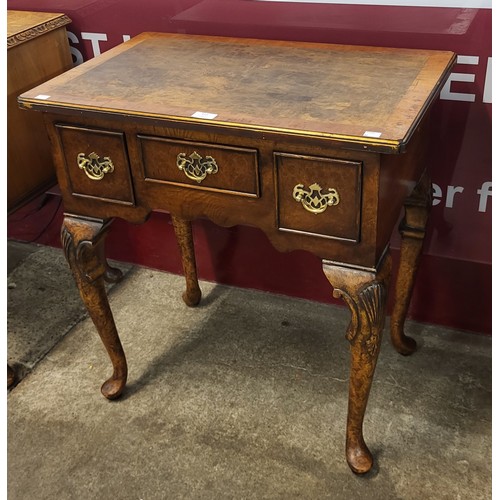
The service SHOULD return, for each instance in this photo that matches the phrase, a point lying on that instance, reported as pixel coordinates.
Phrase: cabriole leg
(365, 293)
(412, 229)
(83, 241)
(184, 235)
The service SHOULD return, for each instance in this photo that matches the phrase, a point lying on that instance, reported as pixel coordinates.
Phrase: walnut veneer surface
(263, 84)
(318, 145)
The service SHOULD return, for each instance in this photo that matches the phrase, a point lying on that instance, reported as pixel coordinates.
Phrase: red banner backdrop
(454, 283)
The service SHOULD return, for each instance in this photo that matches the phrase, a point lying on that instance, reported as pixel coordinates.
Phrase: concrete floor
(244, 397)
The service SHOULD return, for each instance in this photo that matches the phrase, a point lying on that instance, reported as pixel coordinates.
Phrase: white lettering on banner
(448, 95)
(76, 53)
(488, 83)
(450, 194)
(484, 192)
(95, 38)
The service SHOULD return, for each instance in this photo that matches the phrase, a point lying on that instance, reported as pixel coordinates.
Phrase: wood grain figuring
(237, 168)
(82, 242)
(341, 221)
(412, 230)
(337, 90)
(23, 26)
(224, 208)
(286, 154)
(184, 235)
(116, 185)
(399, 175)
(365, 293)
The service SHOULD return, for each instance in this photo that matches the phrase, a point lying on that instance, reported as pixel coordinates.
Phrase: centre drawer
(318, 196)
(199, 165)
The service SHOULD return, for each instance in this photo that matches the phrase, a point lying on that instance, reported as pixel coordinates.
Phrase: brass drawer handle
(313, 200)
(195, 166)
(94, 167)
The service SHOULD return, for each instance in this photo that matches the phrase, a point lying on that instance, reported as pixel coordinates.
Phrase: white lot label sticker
(42, 96)
(369, 133)
(201, 114)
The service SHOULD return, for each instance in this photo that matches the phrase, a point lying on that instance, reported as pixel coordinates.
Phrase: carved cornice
(35, 31)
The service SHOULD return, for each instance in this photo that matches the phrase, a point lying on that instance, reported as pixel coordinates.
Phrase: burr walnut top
(364, 95)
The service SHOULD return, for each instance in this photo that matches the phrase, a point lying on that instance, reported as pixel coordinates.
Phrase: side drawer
(96, 163)
(318, 196)
(198, 165)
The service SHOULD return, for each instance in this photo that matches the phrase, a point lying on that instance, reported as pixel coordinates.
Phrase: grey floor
(244, 397)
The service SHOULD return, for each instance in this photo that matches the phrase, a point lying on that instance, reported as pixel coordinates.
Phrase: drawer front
(96, 163)
(198, 165)
(318, 196)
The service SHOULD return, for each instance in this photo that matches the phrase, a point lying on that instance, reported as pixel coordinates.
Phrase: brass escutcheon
(313, 200)
(93, 166)
(195, 166)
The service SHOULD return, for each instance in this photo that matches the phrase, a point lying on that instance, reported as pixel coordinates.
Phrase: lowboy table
(317, 145)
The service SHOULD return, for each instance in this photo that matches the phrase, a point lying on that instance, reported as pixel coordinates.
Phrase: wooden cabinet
(37, 50)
